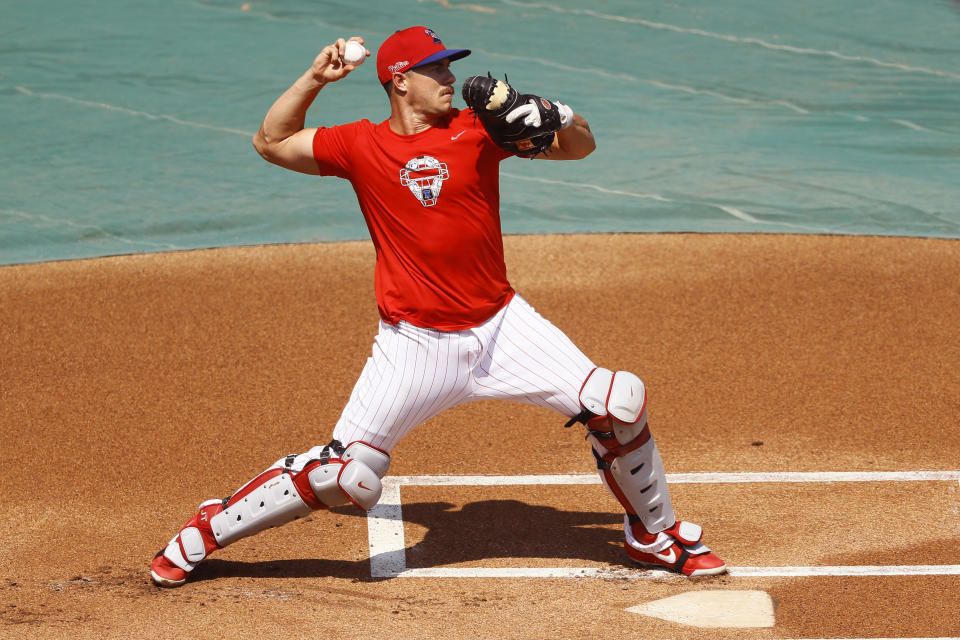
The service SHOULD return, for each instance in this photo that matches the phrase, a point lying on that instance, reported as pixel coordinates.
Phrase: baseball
(354, 53)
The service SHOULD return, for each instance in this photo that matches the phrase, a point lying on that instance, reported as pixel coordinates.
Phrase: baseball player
(452, 329)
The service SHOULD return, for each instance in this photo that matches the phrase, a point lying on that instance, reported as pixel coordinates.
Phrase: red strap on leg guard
(254, 484)
(301, 481)
(601, 428)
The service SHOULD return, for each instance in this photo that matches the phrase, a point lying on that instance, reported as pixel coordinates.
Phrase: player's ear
(399, 81)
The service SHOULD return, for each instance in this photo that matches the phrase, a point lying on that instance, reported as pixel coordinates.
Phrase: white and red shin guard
(630, 466)
(292, 488)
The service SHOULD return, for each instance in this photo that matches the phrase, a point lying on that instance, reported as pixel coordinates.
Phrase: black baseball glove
(521, 123)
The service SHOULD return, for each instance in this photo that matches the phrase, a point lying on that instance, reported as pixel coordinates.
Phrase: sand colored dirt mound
(132, 388)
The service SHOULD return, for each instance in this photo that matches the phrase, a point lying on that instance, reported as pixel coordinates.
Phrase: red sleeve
(332, 147)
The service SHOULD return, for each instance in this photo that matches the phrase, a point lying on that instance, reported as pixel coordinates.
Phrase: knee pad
(354, 476)
(615, 414)
(615, 411)
(378, 461)
(281, 494)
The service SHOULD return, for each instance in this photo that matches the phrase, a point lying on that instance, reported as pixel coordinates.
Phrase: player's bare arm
(282, 138)
(572, 143)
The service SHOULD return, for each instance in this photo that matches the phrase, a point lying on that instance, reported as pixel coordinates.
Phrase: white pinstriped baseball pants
(415, 373)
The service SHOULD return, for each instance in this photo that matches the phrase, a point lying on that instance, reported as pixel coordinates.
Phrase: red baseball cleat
(678, 549)
(195, 541)
(166, 574)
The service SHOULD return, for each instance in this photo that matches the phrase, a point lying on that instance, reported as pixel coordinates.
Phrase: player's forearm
(576, 141)
(288, 114)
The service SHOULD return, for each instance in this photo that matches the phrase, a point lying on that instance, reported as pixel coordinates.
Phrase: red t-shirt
(432, 204)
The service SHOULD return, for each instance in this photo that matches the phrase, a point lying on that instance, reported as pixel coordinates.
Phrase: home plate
(735, 609)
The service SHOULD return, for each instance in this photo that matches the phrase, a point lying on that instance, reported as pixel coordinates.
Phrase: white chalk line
(385, 532)
(682, 478)
(737, 39)
(641, 574)
(132, 112)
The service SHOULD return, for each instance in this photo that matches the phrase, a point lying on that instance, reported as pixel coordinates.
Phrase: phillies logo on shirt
(424, 176)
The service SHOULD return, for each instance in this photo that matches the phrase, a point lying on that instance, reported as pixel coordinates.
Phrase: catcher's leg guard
(615, 414)
(289, 490)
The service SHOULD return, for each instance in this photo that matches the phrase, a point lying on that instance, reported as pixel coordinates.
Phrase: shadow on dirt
(475, 532)
(214, 569)
(510, 529)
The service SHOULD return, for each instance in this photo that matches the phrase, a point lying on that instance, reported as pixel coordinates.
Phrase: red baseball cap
(412, 47)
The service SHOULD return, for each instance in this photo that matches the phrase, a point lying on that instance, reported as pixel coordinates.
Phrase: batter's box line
(388, 548)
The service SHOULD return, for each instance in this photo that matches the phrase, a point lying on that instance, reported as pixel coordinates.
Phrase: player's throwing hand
(330, 65)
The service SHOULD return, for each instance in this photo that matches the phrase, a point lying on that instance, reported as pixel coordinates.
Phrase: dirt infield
(132, 388)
